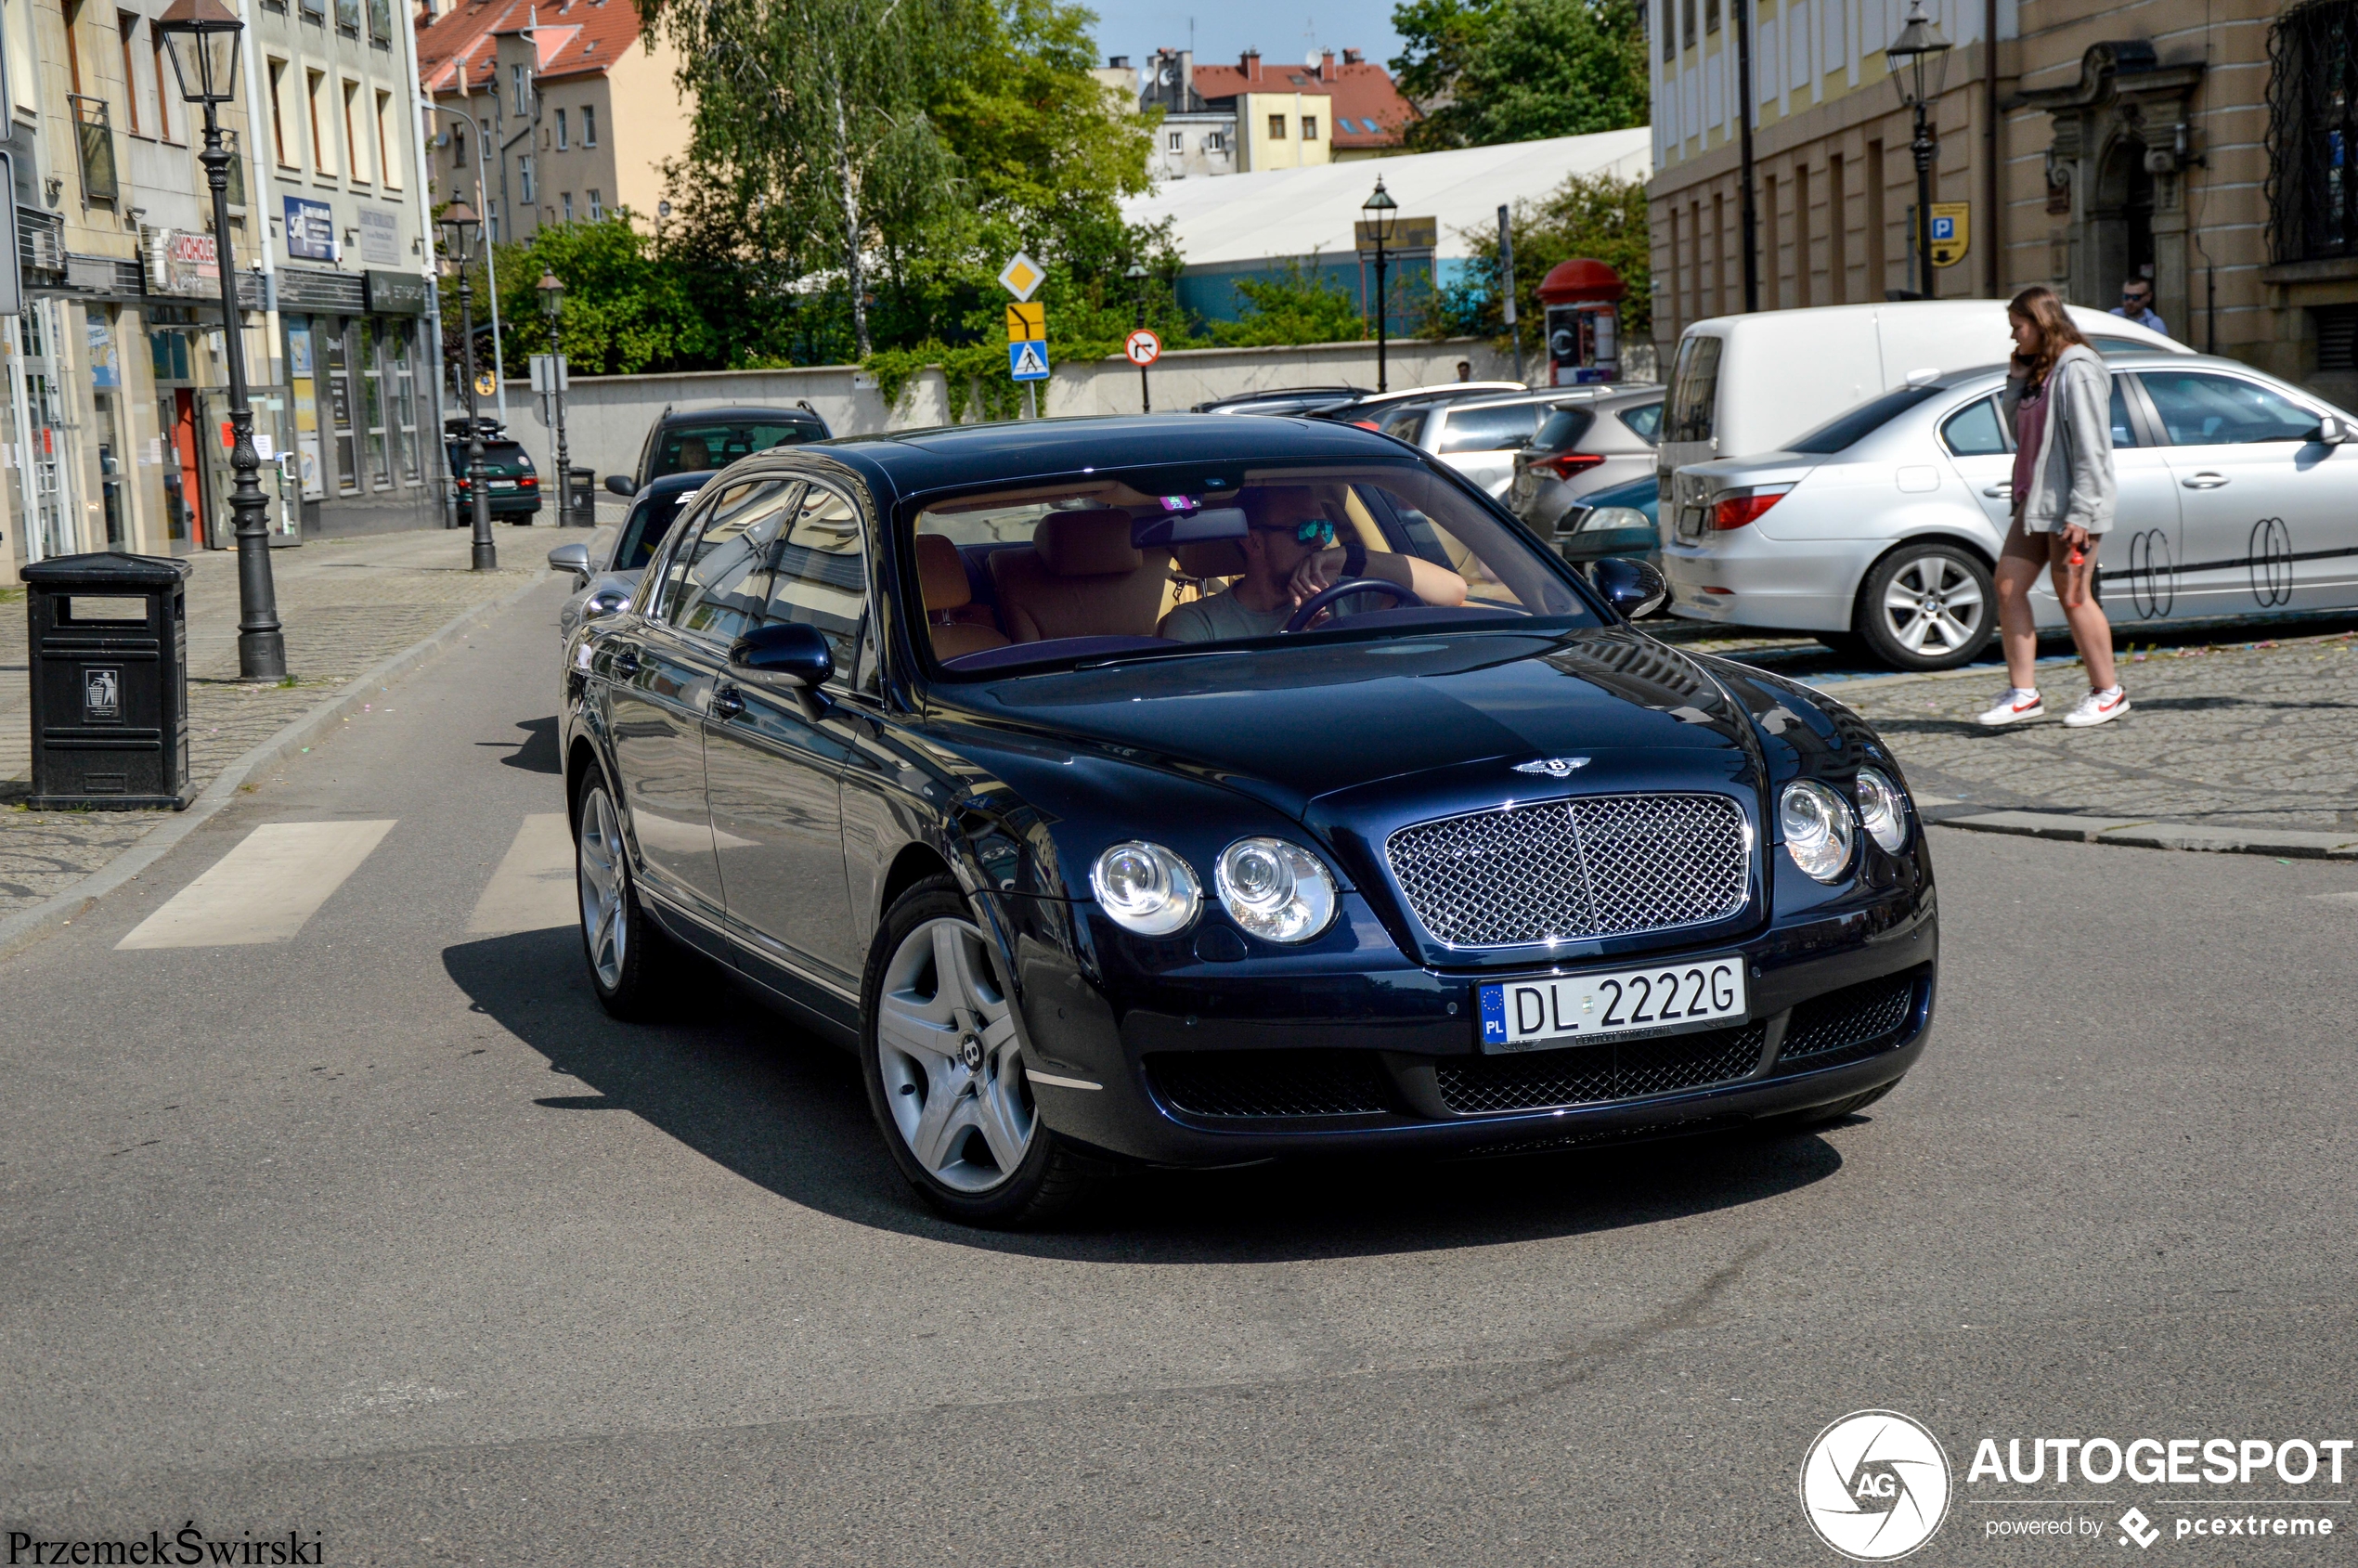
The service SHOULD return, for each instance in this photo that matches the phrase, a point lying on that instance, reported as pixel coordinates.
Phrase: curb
(27, 927)
(2284, 843)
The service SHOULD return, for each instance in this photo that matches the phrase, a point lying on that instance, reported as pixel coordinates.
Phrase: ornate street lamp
(201, 37)
(1382, 214)
(1918, 60)
(1138, 276)
(459, 226)
(552, 294)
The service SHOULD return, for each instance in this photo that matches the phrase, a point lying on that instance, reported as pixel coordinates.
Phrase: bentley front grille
(1599, 866)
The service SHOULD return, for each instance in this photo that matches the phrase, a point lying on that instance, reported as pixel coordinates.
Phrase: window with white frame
(524, 177)
(597, 208)
(588, 124)
(561, 130)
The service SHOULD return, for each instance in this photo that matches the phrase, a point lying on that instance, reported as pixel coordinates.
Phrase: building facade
(2196, 144)
(1252, 116)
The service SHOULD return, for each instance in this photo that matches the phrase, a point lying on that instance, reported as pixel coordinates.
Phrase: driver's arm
(1430, 584)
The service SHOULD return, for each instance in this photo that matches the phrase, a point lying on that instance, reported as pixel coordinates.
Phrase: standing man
(2137, 305)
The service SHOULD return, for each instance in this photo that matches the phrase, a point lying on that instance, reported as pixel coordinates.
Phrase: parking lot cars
(693, 440)
(897, 734)
(1478, 436)
(605, 587)
(1284, 400)
(2238, 494)
(1618, 521)
(514, 486)
(1369, 412)
(1588, 442)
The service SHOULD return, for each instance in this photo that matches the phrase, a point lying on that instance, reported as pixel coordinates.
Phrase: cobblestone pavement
(2246, 735)
(347, 604)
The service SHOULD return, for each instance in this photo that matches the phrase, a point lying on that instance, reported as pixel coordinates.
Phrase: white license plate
(1571, 1009)
(503, 483)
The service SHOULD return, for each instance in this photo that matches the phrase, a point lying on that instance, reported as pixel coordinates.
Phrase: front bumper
(1212, 1064)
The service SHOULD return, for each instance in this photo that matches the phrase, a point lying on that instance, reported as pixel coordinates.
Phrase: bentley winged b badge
(1554, 767)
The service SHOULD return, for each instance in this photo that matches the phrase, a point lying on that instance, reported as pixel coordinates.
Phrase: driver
(1290, 554)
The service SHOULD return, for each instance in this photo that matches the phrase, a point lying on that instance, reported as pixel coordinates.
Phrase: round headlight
(1883, 805)
(1277, 890)
(1146, 889)
(1818, 828)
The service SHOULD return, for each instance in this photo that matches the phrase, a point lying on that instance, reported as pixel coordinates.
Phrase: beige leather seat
(958, 624)
(1081, 577)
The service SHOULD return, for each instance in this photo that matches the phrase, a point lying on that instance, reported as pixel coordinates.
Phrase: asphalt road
(386, 1232)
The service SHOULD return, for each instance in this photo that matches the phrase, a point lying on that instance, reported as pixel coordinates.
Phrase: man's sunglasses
(1318, 531)
(2134, 296)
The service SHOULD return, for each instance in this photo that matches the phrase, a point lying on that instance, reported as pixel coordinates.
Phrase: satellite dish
(1170, 75)
(1312, 59)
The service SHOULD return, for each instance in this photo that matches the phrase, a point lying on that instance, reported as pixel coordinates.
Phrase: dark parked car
(1284, 400)
(607, 588)
(951, 742)
(690, 440)
(1619, 522)
(1370, 411)
(513, 484)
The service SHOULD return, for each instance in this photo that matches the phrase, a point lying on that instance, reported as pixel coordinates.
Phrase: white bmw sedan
(1877, 530)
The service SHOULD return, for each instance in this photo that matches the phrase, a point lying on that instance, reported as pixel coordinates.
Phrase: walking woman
(2058, 398)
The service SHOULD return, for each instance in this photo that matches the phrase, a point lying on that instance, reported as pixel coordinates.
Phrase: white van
(1746, 384)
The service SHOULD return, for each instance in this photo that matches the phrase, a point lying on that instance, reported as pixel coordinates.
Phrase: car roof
(669, 483)
(1552, 395)
(2139, 358)
(710, 416)
(1278, 391)
(940, 456)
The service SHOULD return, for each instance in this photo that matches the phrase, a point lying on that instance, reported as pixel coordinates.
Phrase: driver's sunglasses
(2134, 296)
(1318, 531)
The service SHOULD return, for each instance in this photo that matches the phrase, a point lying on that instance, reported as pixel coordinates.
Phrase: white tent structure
(1233, 226)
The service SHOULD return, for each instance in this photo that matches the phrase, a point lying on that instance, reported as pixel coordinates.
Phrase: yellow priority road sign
(486, 385)
(1950, 231)
(1027, 322)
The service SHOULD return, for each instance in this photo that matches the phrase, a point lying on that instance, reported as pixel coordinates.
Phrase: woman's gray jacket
(2072, 479)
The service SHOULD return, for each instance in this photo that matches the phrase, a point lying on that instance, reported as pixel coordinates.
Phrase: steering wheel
(1316, 604)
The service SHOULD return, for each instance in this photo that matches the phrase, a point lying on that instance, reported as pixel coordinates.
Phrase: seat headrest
(1212, 558)
(1095, 543)
(942, 574)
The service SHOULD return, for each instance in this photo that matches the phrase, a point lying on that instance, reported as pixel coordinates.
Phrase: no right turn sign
(1142, 347)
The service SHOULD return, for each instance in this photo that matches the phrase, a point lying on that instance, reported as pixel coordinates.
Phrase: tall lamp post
(552, 295)
(459, 226)
(1918, 60)
(1138, 276)
(1382, 214)
(203, 36)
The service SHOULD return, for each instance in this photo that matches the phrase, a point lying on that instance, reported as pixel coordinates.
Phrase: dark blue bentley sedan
(1191, 791)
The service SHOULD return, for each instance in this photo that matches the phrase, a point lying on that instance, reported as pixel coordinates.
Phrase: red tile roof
(575, 39)
(1363, 93)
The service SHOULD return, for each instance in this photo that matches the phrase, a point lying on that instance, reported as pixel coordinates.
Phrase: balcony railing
(94, 132)
(41, 241)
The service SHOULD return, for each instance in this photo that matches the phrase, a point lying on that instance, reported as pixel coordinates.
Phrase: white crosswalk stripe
(533, 889)
(264, 889)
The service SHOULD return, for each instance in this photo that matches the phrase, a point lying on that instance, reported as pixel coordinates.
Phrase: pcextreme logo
(1875, 1485)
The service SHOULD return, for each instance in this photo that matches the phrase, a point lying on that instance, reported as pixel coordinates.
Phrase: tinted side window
(649, 526)
(690, 449)
(2123, 433)
(821, 576)
(1974, 431)
(1695, 390)
(2205, 411)
(1644, 422)
(1564, 427)
(714, 588)
(1489, 430)
(1405, 424)
(1845, 431)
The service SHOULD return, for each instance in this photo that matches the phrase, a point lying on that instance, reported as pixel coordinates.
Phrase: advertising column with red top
(1583, 300)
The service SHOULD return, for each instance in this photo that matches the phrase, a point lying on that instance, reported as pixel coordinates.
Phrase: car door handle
(727, 703)
(2205, 481)
(2004, 490)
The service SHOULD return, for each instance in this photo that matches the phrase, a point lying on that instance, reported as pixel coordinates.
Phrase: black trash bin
(109, 652)
(584, 498)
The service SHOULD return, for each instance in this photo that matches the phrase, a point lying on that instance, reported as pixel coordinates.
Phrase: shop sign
(380, 239)
(182, 262)
(396, 293)
(311, 229)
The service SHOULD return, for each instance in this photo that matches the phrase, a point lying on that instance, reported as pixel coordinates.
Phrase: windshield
(1134, 564)
(650, 521)
(689, 448)
(1845, 431)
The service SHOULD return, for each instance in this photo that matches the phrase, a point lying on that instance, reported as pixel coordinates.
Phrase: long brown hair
(2043, 308)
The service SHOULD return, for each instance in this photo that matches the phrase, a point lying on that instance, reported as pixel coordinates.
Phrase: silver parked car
(1478, 436)
(1601, 441)
(2238, 494)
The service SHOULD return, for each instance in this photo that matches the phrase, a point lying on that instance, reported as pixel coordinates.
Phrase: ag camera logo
(1875, 1485)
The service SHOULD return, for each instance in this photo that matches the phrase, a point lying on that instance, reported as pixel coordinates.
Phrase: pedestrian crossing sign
(1027, 361)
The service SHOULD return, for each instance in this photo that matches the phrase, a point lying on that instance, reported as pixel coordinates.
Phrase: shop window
(333, 339)
(373, 404)
(401, 386)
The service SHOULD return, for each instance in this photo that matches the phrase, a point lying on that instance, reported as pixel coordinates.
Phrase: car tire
(944, 1069)
(629, 955)
(1929, 605)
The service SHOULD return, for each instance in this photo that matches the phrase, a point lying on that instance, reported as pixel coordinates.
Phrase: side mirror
(794, 653)
(2331, 431)
(1632, 588)
(620, 484)
(573, 558)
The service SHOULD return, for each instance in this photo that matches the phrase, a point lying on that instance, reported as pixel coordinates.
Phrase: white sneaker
(2098, 707)
(2014, 705)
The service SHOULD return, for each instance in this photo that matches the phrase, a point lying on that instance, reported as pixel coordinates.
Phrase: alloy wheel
(947, 1053)
(1933, 606)
(604, 882)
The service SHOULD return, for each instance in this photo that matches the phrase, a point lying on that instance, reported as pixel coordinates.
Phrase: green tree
(624, 311)
(1487, 72)
(1597, 217)
(1299, 304)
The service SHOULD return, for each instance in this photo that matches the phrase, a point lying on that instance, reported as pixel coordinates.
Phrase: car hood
(1297, 726)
